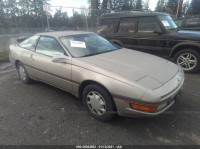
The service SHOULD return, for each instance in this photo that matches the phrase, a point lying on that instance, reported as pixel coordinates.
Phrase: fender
(189, 43)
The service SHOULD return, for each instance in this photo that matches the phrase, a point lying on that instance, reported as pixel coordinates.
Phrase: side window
(192, 22)
(148, 25)
(127, 25)
(49, 46)
(29, 43)
(107, 25)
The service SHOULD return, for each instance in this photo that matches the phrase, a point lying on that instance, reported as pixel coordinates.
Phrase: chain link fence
(28, 20)
(57, 19)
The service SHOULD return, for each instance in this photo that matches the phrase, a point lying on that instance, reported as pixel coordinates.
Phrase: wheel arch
(16, 62)
(182, 46)
(85, 83)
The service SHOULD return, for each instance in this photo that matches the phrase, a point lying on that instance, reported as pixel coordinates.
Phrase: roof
(58, 34)
(130, 14)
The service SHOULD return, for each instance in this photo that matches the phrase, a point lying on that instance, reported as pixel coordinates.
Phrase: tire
(188, 59)
(104, 109)
(23, 75)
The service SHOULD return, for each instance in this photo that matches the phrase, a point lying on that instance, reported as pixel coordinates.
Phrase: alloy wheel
(187, 61)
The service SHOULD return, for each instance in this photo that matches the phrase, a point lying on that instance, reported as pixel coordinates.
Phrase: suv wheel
(23, 75)
(98, 103)
(188, 59)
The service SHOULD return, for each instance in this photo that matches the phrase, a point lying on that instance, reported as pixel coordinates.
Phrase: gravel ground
(38, 114)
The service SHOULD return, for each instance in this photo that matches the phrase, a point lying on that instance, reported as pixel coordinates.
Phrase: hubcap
(96, 103)
(22, 73)
(187, 61)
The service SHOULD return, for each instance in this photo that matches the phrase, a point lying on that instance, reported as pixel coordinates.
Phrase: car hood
(185, 34)
(134, 66)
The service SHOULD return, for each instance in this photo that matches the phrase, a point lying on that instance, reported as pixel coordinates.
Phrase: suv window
(127, 25)
(29, 43)
(49, 46)
(178, 23)
(192, 22)
(148, 25)
(107, 25)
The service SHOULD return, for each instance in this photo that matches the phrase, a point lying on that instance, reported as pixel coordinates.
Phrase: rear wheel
(188, 59)
(23, 75)
(98, 102)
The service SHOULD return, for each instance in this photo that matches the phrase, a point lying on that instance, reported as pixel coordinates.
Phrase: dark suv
(154, 33)
(189, 23)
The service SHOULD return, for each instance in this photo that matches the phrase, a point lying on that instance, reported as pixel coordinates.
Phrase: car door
(57, 74)
(149, 37)
(126, 32)
(27, 48)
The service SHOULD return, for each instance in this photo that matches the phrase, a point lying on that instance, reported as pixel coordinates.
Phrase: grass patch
(4, 54)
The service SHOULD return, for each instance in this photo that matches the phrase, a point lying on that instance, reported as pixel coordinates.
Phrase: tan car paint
(124, 72)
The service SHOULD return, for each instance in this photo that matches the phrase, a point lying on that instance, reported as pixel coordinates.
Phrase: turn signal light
(144, 108)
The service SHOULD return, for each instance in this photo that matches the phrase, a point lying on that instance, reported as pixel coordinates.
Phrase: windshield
(167, 22)
(87, 44)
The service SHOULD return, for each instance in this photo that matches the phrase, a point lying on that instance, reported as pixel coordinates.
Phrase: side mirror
(157, 32)
(60, 59)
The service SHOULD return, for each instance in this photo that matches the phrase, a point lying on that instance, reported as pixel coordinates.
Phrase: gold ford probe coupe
(109, 79)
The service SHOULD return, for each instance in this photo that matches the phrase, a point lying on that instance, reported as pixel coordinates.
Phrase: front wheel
(23, 75)
(98, 102)
(188, 59)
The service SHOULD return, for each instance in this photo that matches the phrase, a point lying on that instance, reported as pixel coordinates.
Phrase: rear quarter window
(30, 43)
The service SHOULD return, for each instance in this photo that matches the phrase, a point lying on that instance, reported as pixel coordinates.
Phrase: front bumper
(169, 93)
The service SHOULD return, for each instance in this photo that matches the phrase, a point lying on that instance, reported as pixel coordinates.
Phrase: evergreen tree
(146, 5)
(161, 6)
(138, 4)
(94, 5)
(172, 6)
(194, 8)
(132, 4)
(185, 7)
(126, 5)
(104, 5)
